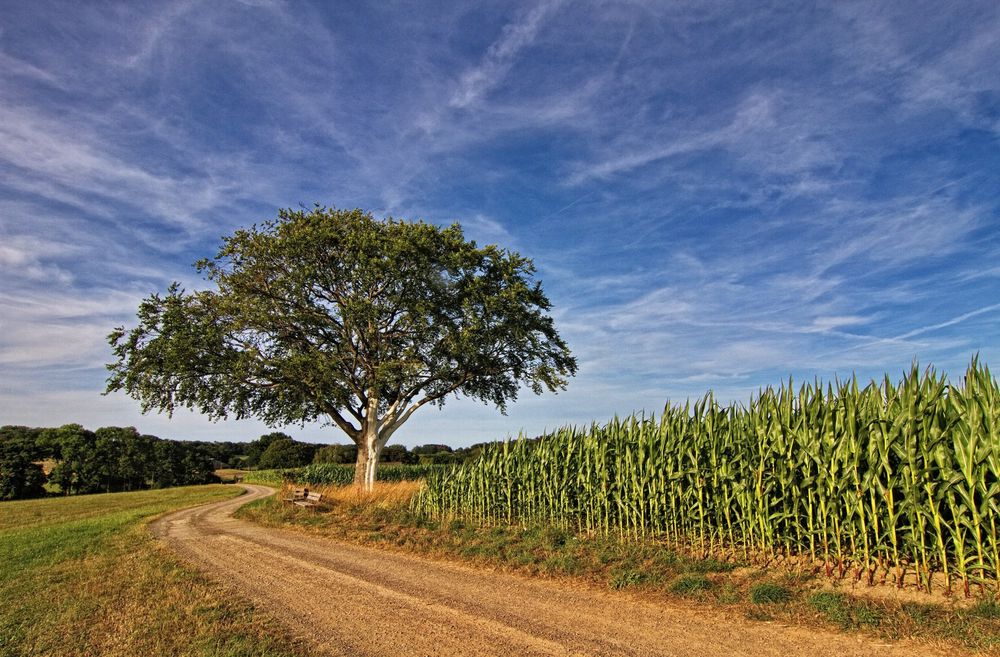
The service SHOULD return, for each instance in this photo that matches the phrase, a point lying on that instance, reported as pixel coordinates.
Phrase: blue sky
(716, 194)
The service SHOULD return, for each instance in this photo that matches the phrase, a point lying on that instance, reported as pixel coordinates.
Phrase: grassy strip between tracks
(649, 569)
(83, 576)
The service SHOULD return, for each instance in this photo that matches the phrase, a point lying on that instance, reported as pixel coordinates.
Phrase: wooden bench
(296, 495)
(311, 499)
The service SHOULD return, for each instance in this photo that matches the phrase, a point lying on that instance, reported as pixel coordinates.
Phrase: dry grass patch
(231, 475)
(390, 495)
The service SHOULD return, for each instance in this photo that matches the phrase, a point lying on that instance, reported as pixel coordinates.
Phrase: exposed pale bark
(374, 434)
(365, 468)
(369, 452)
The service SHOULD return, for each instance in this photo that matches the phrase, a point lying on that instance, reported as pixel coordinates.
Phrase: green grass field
(82, 576)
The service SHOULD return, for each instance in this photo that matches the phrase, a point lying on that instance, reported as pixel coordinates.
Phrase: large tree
(338, 316)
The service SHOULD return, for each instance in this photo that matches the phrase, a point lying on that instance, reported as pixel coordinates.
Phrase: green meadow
(82, 576)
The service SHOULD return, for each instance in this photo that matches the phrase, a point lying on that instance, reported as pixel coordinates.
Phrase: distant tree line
(114, 459)
(278, 450)
(423, 454)
(111, 459)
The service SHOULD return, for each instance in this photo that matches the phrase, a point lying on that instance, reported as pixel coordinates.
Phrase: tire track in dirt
(351, 600)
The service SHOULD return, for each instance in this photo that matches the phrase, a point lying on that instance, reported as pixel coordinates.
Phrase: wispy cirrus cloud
(500, 56)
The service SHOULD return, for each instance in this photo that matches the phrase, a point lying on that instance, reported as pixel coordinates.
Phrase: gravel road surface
(348, 600)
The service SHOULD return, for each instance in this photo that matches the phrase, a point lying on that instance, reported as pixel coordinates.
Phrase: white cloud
(45, 328)
(950, 322)
(77, 165)
(835, 322)
(485, 230)
(17, 67)
(156, 30)
(496, 64)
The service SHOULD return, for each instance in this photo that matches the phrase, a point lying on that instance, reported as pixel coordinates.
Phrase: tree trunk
(375, 433)
(369, 450)
(361, 466)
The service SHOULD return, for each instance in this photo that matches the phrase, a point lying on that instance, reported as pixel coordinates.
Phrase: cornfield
(890, 481)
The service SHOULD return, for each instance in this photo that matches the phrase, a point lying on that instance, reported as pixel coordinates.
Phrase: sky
(716, 195)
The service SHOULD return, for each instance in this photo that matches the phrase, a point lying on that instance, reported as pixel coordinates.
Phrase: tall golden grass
(384, 495)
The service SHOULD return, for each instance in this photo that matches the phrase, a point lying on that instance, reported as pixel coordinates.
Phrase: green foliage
(336, 454)
(19, 477)
(710, 565)
(286, 453)
(335, 315)
(431, 449)
(257, 448)
(986, 608)
(28, 441)
(269, 477)
(767, 593)
(866, 614)
(439, 458)
(892, 480)
(626, 577)
(690, 584)
(80, 468)
(106, 460)
(834, 606)
(398, 454)
(180, 465)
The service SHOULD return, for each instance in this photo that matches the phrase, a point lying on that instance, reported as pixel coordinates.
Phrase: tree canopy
(20, 475)
(337, 316)
(286, 453)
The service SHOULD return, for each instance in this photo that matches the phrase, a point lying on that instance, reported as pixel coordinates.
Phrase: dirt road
(357, 601)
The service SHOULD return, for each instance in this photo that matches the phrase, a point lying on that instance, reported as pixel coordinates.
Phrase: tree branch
(355, 413)
(395, 423)
(348, 428)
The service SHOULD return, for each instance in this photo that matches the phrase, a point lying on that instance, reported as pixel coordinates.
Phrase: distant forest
(71, 460)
